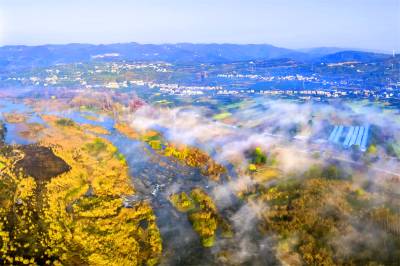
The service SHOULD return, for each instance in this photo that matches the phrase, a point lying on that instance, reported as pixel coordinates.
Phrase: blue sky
(370, 24)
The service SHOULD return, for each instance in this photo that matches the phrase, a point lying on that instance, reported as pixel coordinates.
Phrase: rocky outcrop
(3, 131)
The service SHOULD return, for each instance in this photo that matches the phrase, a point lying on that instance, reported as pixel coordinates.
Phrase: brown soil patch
(41, 163)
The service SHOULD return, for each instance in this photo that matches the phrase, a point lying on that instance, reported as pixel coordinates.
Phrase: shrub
(66, 122)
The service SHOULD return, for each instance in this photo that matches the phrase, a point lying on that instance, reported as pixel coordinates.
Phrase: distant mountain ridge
(322, 51)
(32, 56)
(353, 56)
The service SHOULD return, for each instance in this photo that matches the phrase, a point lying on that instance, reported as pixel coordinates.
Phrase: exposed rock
(3, 131)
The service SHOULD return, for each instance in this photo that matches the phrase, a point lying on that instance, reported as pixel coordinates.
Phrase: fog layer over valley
(352, 187)
(249, 180)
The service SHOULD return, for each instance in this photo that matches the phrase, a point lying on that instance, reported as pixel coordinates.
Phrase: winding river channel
(154, 176)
